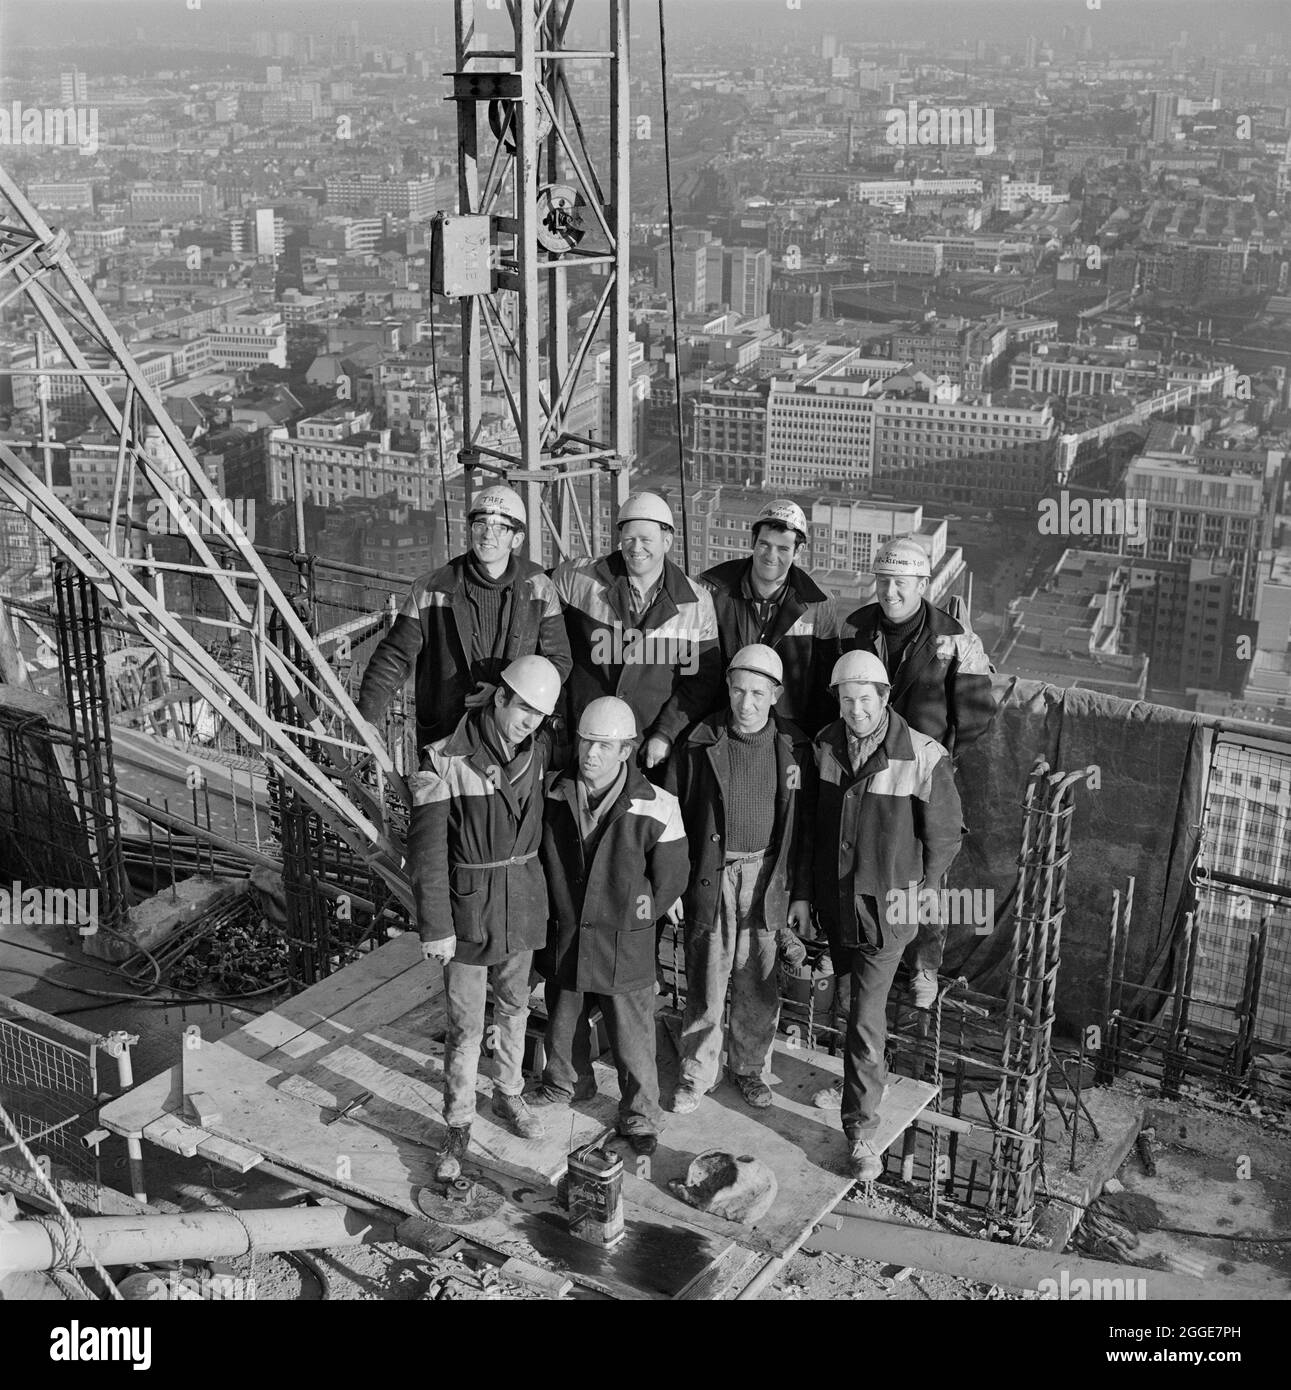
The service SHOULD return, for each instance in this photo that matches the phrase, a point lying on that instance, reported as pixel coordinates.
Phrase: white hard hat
(646, 506)
(902, 557)
(498, 501)
(535, 680)
(608, 718)
(784, 513)
(760, 659)
(858, 665)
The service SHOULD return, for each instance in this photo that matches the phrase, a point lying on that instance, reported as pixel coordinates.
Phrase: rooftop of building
(1280, 567)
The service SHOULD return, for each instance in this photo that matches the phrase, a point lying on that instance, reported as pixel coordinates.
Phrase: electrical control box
(461, 255)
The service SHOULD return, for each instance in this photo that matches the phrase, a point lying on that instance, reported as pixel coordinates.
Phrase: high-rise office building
(71, 86)
(746, 279)
(1165, 106)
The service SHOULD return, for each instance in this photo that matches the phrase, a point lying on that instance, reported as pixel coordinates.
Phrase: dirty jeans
(464, 996)
(741, 950)
(872, 969)
(629, 1021)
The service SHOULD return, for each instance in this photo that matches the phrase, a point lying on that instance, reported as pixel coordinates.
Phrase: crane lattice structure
(314, 749)
(550, 207)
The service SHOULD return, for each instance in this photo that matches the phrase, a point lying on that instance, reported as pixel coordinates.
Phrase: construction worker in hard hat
(768, 597)
(615, 856)
(478, 888)
(941, 685)
(745, 779)
(641, 629)
(887, 824)
(461, 624)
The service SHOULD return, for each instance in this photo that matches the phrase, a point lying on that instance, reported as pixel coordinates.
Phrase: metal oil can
(595, 1194)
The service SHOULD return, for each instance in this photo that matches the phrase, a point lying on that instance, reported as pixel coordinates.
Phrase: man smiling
(770, 599)
(641, 630)
(940, 681)
(481, 902)
(460, 625)
(888, 816)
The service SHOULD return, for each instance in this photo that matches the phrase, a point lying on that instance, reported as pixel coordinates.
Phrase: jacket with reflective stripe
(804, 634)
(943, 686)
(668, 669)
(894, 823)
(433, 632)
(466, 814)
(604, 908)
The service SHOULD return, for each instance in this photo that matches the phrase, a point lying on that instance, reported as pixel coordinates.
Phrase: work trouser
(871, 968)
(464, 996)
(629, 1021)
(928, 947)
(741, 951)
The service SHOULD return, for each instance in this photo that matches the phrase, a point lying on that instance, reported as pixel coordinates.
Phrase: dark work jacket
(603, 908)
(943, 686)
(700, 772)
(668, 671)
(465, 815)
(804, 634)
(433, 632)
(894, 823)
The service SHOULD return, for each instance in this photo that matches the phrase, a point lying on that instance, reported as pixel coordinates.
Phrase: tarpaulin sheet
(1138, 816)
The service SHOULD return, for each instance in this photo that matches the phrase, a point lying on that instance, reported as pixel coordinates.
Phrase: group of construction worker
(614, 745)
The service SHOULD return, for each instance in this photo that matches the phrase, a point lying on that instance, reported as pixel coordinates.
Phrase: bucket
(810, 984)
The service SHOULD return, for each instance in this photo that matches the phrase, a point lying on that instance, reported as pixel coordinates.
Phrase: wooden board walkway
(269, 1086)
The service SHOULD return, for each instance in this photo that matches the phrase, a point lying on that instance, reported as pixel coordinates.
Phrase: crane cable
(672, 277)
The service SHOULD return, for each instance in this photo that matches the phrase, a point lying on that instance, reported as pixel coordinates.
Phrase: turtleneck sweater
(750, 804)
(898, 636)
(489, 599)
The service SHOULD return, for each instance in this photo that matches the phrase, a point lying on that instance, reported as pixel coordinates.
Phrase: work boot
(686, 1098)
(865, 1162)
(831, 1098)
(515, 1111)
(448, 1162)
(545, 1095)
(641, 1143)
(754, 1090)
(923, 988)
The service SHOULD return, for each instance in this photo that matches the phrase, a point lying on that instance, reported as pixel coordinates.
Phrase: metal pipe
(121, 1240)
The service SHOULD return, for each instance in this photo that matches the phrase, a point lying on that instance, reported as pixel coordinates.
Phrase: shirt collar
(750, 593)
(643, 599)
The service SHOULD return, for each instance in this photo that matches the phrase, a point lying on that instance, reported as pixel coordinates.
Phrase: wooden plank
(724, 1276)
(276, 1079)
(988, 1262)
(131, 1113)
(230, 1155)
(203, 1108)
(258, 1112)
(804, 1147)
(408, 1100)
(415, 994)
(172, 1133)
(319, 1003)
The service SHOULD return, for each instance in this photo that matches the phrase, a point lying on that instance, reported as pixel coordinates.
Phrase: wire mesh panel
(50, 1090)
